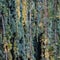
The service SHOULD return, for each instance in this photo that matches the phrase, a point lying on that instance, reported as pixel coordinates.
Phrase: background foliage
(30, 29)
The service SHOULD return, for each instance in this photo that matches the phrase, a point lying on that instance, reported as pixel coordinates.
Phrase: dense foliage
(29, 29)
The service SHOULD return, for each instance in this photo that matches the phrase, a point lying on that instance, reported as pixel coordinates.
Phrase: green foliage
(28, 30)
